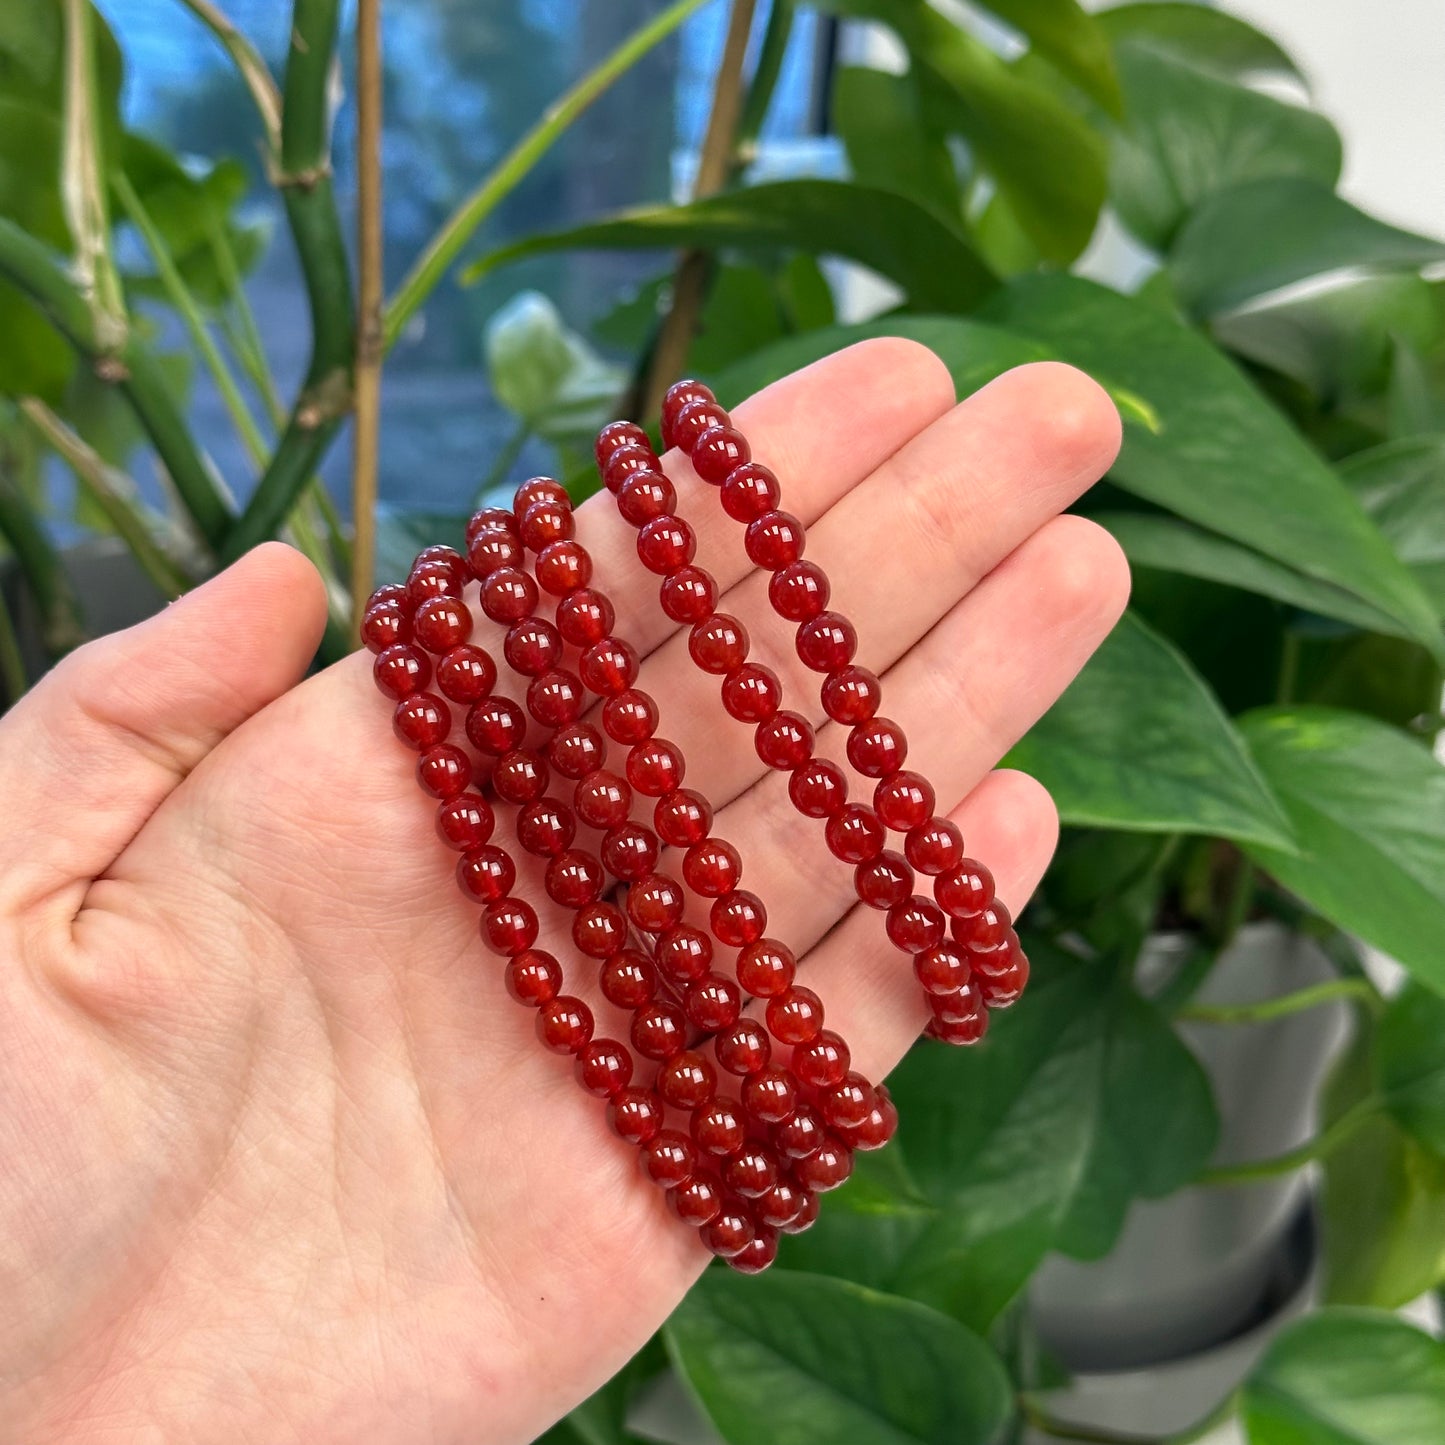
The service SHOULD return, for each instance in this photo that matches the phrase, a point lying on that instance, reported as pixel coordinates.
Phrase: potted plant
(1245, 771)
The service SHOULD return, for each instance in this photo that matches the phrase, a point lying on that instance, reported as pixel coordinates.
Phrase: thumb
(88, 754)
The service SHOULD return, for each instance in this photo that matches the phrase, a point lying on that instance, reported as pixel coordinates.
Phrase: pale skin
(282, 1161)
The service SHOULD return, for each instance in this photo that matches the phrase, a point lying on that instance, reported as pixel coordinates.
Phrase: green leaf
(35, 360)
(1064, 33)
(787, 1358)
(401, 535)
(30, 170)
(924, 253)
(1348, 1377)
(1253, 239)
(1170, 545)
(741, 315)
(1191, 131)
(601, 1419)
(1402, 487)
(1209, 39)
(1410, 1064)
(890, 144)
(1138, 741)
(1368, 808)
(1220, 455)
(30, 43)
(806, 296)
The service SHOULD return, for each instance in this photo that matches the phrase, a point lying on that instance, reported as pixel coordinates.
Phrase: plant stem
(303, 172)
(250, 350)
(253, 70)
(1289, 660)
(1236, 908)
(130, 366)
(765, 80)
(447, 244)
(113, 493)
(1323, 1144)
(1282, 1007)
(689, 282)
(12, 666)
(372, 295)
(195, 324)
(61, 627)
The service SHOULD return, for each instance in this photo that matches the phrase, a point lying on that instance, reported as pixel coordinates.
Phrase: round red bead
(682, 818)
(688, 594)
(719, 643)
(712, 868)
(665, 544)
(848, 1102)
(533, 977)
(717, 451)
(780, 1206)
(801, 1134)
(576, 750)
(600, 930)
(487, 874)
(384, 625)
(655, 903)
(617, 434)
(609, 667)
(854, 834)
(422, 721)
(851, 695)
(532, 646)
(795, 1016)
(751, 1171)
(697, 1199)
(645, 495)
(985, 929)
(544, 829)
(738, 918)
(465, 822)
(630, 717)
(934, 847)
(823, 1063)
(826, 1169)
(752, 693)
(585, 617)
(748, 491)
(766, 968)
(729, 1232)
(626, 462)
(774, 540)
(743, 1049)
(826, 642)
(904, 800)
(916, 924)
(604, 1067)
(784, 741)
(679, 396)
(431, 579)
(629, 852)
(659, 1030)
(799, 591)
(603, 800)
(941, 970)
(693, 420)
(519, 776)
(574, 879)
(818, 789)
(757, 1254)
(717, 1128)
(555, 698)
(444, 771)
(509, 926)
(683, 953)
(496, 725)
(494, 548)
(878, 1128)
(565, 1024)
(401, 670)
(877, 747)
(545, 522)
(687, 1080)
(466, 674)
(883, 881)
(539, 489)
(562, 567)
(442, 624)
(386, 593)
(636, 1115)
(669, 1159)
(628, 980)
(509, 595)
(655, 767)
(965, 890)
(713, 1003)
(770, 1096)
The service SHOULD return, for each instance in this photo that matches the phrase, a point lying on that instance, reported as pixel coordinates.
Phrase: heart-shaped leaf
(1208, 39)
(1368, 808)
(1402, 487)
(1410, 1064)
(1348, 1377)
(1066, 34)
(789, 1357)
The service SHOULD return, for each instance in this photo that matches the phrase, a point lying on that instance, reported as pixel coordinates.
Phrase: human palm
(282, 1160)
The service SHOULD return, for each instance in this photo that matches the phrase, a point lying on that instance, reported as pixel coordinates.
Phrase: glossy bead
(669, 1159)
(964, 890)
(960, 1018)
(693, 420)
(533, 977)
(717, 451)
(490, 519)
(565, 1024)
(827, 1168)
(442, 624)
(848, 1102)
(683, 953)
(520, 777)
(585, 617)
(604, 1067)
(609, 667)
(680, 395)
(422, 721)
(492, 549)
(738, 918)
(401, 670)
(697, 1199)
(800, 1134)
(826, 643)
(822, 1063)
(645, 495)
(743, 1049)
(1005, 987)
(878, 1128)
(769, 1095)
(818, 789)
(655, 767)
(628, 980)
(748, 491)
(600, 930)
(545, 522)
(877, 748)
(509, 926)
(915, 925)
(617, 434)
(718, 644)
(636, 1115)
(713, 1003)
(687, 1080)
(563, 567)
(465, 822)
(717, 1128)
(751, 1171)
(851, 695)
(795, 1016)
(461, 573)
(384, 625)
(388, 592)
(987, 928)
(992, 962)
(904, 800)
(655, 902)
(544, 829)
(574, 879)
(752, 693)
(444, 771)
(766, 968)
(509, 595)
(431, 579)
(532, 646)
(941, 970)
(799, 591)
(629, 852)
(576, 750)
(807, 1215)
(780, 1206)
(682, 818)
(774, 540)
(784, 741)
(555, 698)
(659, 1030)
(665, 544)
(757, 1254)
(729, 1232)
(466, 674)
(496, 725)
(603, 800)
(630, 717)
(626, 462)
(688, 595)
(712, 868)
(884, 880)
(487, 874)
(539, 489)
(855, 834)
(934, 847)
